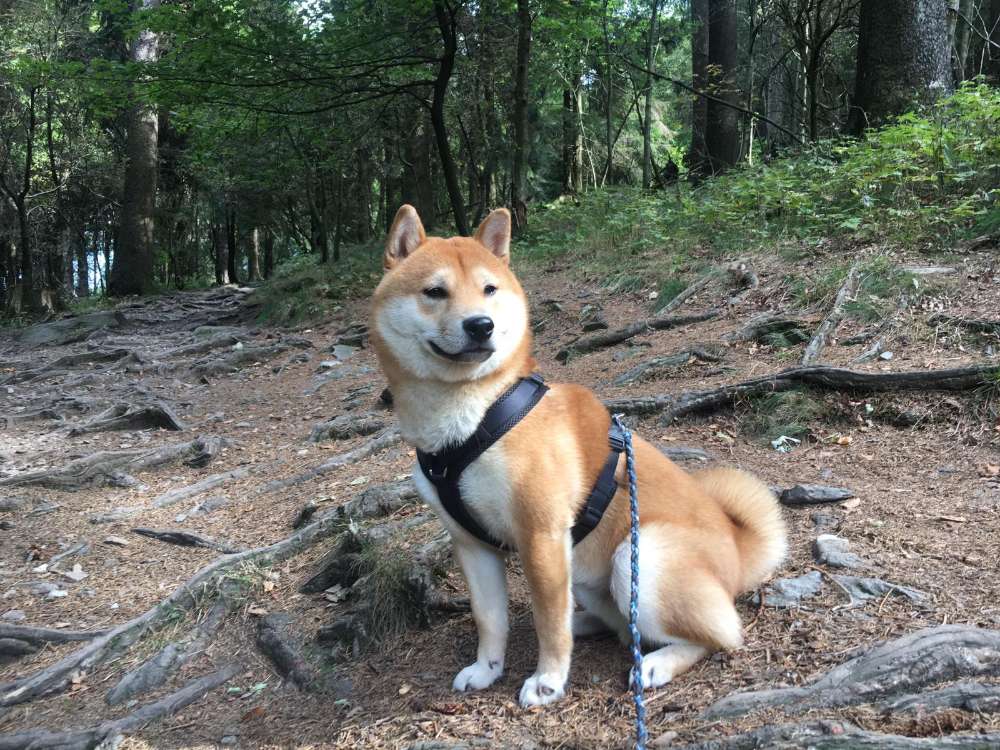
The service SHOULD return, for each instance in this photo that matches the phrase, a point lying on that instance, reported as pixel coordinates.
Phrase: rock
(8, 504)
(343, 352)
(116, 541)
(814, 494)
(863, 589)
(43, 588)
(348, 631)
(826, 522)
(305, 514)
(76, 575)
(789, 592)
(57, 594)
(13, 615)
(6, 526)
(664, 740)
(834, 551)
(69, 330)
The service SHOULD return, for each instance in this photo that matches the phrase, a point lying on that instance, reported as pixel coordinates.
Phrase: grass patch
(788, 413)
(389, 591)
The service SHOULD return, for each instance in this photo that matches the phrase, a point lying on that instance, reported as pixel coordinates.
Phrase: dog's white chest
(486, 492)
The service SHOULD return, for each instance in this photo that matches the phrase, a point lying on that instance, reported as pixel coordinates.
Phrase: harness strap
(444, 468)
(604, 489)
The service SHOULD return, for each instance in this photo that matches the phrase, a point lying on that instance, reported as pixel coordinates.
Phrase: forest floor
(922, 466)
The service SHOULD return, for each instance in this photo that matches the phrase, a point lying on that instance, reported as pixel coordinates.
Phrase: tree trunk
(722, 132)
(903, 59)
(647, 125)
(578, 134)
(132, 272)
(991, 65)
(446, 24)
(253, 254)
(696, 158)
(82, 271)
(962, 37)
(220, 254)
(519, 177)
(777, 92)
(232, 246)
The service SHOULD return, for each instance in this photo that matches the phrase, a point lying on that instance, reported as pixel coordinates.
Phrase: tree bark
(132, 272)
(519, 181)
(232, 246)
(903, 59)
(446, 24)
(697, 155)
(722, 132)
(647, 126)
(253, 254)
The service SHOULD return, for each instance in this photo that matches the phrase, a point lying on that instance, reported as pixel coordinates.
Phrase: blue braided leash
(641, 735)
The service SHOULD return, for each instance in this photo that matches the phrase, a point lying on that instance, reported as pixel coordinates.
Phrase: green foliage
(925, 180)
(786, 413)
(303, 290)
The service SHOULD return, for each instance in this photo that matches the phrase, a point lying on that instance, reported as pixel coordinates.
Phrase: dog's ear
(405, 236)
(494, 234)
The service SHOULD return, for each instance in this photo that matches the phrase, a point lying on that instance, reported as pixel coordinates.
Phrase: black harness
(444, 469)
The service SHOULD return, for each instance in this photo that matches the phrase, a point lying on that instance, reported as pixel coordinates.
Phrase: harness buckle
(617, 440)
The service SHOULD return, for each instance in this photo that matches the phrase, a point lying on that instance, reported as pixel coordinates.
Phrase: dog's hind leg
(485, 573)
(600, 613)
(683, 607)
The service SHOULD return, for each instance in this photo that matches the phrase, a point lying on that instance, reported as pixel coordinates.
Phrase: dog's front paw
(541, 689)
(477, 676)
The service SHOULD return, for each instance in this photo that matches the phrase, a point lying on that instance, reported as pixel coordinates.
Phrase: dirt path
(87, 457)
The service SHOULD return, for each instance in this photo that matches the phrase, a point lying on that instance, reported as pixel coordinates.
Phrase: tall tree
(697, 154)
(447, 25)
(722, 130)
(132, 272)
(519, 177)
(647, 125)
(903, 59)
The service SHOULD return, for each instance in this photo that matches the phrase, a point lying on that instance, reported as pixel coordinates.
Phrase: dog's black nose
(479, 328)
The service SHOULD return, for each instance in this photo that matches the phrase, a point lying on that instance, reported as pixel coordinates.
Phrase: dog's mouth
(471, 353)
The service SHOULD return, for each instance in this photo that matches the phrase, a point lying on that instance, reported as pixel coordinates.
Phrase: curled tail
(754, 510)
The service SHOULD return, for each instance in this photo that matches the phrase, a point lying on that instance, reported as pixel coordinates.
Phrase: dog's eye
(436, 292)
(489, 290)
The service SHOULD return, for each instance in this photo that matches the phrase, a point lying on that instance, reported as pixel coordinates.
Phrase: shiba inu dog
(451, 330)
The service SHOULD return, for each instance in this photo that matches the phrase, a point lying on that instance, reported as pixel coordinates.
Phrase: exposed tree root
(68, 362)
(199, 347)
(911, 662)
(383, 440)
(974, 325)
(696, 286)
(70, 330)
(767, 325)
(840, 735)
(823, 378)
(275, 641)
(967, 696)
(85, 739)
(154, 672)
(380, 501)
(132, 417)
(347, 426)
(47, 635)
(56, 677)
(187, 539)
(114, 467)
(658, 365)
(236, 360)
(826, 329)
(610, 338)
(174, 496)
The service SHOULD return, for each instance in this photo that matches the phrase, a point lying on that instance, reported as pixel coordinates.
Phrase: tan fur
(710, 535)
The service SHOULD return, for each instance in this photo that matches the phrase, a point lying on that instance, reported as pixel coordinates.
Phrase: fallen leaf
(844, 440)
(989, 470)
(257, 712)
(405, 688)
(850, 504)
(448, 709)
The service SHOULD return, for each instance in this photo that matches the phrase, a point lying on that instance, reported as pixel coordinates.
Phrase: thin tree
(647, 130)
(519, 177)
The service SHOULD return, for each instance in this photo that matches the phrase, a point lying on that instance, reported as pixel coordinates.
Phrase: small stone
(116, 541)
(592, 318)
(43, 588)
(789, 592)
(57, 594)
(76, 574)
(814, 494)
(826, 522)
(834, 551)
(14, 615)
(6, 526)
(885, 356)
(343, 352)
(229, 740)
(664, 740)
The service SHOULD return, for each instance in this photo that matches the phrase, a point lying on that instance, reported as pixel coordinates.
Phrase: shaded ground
(925, 516)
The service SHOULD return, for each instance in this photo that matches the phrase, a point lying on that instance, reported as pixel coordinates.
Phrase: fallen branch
(913, 661)
(132, 417)
(696, 286)
(85, 739)
(840, 735)
(610, 338)
(57, 677)
(383, 440)
(833, 318)
(114, 467)
(186, 539)
(822, 378)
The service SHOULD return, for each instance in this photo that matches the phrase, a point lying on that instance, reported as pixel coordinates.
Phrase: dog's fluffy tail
(754, 510)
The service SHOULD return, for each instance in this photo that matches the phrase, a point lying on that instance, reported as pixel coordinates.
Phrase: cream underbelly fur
(451, 331)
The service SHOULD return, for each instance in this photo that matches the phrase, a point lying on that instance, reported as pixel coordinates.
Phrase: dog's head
(449, 309)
